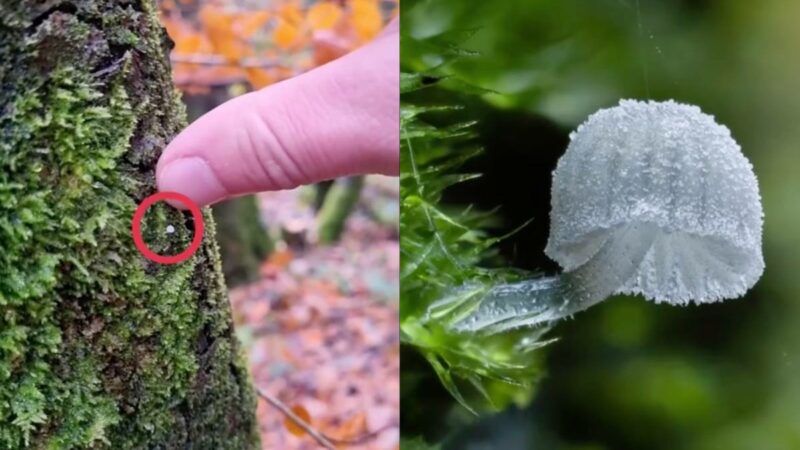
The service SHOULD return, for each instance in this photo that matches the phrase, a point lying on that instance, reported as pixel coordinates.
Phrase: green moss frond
(444, 247)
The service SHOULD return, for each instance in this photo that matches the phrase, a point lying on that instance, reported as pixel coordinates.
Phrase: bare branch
(317, 435)
(321, 438)
(216, 60)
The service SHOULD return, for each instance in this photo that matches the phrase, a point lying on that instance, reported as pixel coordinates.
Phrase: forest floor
(320, 325)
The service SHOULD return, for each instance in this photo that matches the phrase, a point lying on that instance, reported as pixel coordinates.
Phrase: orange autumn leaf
(280, 258)
(215, 19)
(285, 34)
(352, 428)
(189, 43)
(167, 5)
(175, 28)
(323, 16)
(291, 13)
(219, 28)
(247, 24)
(291, 426)
(366, 18)
(258, 77)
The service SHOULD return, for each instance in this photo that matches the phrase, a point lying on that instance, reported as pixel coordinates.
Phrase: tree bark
(321, 190)
(243, 240)
(99, 347)
(340, 201)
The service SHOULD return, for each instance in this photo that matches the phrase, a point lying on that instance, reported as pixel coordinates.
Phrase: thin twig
(317, 435)
(321, 438)
(216, 60)
(364, 437)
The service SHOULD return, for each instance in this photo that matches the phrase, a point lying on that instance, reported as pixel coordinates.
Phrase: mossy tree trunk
(99, 347)
(320, 192)
(243, 240)
(339, 202)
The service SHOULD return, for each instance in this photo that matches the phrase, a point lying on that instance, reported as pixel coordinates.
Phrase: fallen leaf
(291, 426)
(188, 43)
(291, 13)
(366, 18)
(219, 26)
(259, 77)
(280, 258)
(248, 23)
(285, 34)
(352, 428)
(323, 16)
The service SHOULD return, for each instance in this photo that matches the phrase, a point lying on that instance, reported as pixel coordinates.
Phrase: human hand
(338, 119)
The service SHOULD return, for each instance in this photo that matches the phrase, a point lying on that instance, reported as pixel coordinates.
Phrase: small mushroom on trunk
(650, 198)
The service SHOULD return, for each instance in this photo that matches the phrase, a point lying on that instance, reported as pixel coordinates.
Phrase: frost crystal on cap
(672, 166)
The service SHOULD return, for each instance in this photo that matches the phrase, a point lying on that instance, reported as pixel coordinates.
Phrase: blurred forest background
(627, 374)
(313, 271)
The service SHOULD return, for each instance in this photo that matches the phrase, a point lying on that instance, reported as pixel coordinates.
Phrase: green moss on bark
(100, 348)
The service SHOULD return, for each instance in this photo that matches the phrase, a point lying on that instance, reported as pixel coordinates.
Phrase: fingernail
(193, 178)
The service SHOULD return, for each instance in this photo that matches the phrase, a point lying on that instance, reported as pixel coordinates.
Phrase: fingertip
(192, 177)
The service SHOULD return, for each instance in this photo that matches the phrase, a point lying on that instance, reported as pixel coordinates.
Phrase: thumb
(336, 120)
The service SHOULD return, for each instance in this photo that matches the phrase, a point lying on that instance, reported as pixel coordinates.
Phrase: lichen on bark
(100, 348)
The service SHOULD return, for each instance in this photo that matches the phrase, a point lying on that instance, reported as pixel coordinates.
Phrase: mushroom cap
(670, 165)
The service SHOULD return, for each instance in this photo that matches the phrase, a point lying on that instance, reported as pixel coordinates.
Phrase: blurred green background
(630, 374)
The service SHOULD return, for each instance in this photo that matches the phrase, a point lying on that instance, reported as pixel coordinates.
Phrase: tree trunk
(339, 203)
(99, 347)
(243, 240)
(321, 190)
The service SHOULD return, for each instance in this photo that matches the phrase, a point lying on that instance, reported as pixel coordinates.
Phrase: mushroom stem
(543, 300)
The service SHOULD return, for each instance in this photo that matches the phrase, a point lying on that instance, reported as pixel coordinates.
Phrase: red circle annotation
(136, 228)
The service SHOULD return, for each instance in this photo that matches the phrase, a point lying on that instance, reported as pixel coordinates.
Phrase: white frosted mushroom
(650, 198)
(671, 166)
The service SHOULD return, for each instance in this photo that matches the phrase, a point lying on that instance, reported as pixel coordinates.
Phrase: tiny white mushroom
(650, 198)
(170, 229)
